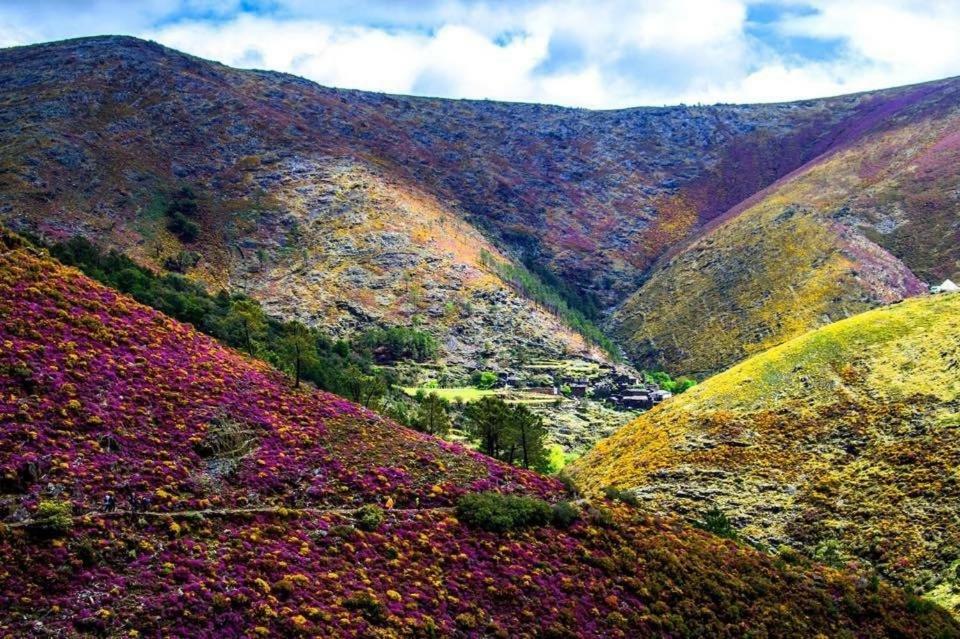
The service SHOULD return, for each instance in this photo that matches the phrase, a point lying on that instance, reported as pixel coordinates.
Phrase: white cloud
(573, 52)
(906, 41)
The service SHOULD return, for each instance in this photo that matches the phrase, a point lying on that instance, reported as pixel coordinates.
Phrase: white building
(947, 287)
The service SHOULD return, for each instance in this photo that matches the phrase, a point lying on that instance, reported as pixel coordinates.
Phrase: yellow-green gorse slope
(844, 442)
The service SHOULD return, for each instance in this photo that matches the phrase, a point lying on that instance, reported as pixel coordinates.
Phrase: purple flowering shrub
(195, 494)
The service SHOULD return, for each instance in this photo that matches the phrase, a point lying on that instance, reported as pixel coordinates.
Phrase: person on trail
(109, 503)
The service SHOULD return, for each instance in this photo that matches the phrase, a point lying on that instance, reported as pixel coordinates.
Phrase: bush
(500, 513)
(829, 553)
(717, 522)
(187, 230)
(564, 514)
(369, 517)
(180, 210)
(484, 380)
(615, 494)
(602, 517)
(367, 605)
(53, 517)
(179, 263)
(919, 606)
(569, 485)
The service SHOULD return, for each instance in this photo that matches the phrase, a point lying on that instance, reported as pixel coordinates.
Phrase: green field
(469, 394)
(464, 393)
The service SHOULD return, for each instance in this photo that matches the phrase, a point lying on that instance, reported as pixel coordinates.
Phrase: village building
(635, 401)
(579, 389)
(659, 395)
(946, 287)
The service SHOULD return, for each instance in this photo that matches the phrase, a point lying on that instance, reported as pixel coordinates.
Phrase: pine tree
(432, 416)
(300, 347)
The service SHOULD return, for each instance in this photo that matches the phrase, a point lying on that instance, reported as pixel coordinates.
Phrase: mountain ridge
(602, 202)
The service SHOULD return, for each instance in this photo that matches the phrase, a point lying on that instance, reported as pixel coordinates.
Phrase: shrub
(600, 516)
(187, 230)
(20, 372)
(829, 553)
(500, 513)
(569, 485)
(180, 209)
(918, 605)
(564, 514)
(369, 517)
(717, 522)
(342, 531)
(179, 263)
(53, 517)
(226, 437)
(615, 494)
(367, 605)
(484, 380)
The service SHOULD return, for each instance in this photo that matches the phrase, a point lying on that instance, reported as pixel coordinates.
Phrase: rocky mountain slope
(842, 442)
(315, 227)
(155, 483)
(391, 198)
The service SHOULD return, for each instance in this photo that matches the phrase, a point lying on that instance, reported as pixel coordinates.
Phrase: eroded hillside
(842, 441)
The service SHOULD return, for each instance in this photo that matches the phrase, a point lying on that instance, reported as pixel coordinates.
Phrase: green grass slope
(844, 442)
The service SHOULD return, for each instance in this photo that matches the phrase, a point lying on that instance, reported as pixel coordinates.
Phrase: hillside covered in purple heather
(154, 483)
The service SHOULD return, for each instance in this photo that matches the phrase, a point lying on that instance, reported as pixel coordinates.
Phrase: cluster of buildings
(623, 390)
(627, 392)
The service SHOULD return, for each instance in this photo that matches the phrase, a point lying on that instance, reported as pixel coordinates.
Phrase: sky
(595, 54)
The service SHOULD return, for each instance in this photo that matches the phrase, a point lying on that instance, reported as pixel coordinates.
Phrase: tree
(186, 229)
(432, 418)
(360, 387)
(525, 434)
(399, 343)
(245, 324)
(513, 434)
(300, 347)
(181, 211)
(486, 422)
(483, 380)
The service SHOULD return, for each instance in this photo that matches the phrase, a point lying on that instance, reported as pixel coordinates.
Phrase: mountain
(104, 132)
(842, 442)
(349, 209)
(242, 507)
(867, 222)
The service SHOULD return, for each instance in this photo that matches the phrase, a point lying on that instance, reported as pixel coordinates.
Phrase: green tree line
(533, 287)
(347, 368)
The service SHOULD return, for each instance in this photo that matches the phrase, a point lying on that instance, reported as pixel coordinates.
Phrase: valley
(280, 359)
